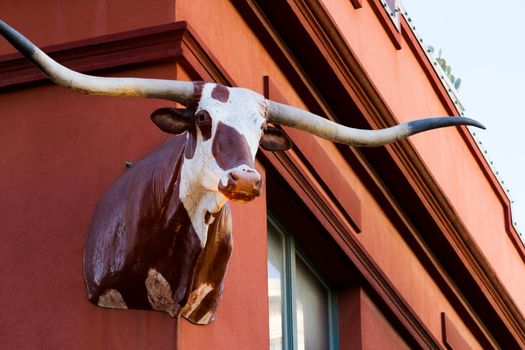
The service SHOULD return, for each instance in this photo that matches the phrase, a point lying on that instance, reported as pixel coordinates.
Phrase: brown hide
(210, 271)
(141, 224)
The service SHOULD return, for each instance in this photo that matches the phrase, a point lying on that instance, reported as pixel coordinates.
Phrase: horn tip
(16, 39)
(473, 122)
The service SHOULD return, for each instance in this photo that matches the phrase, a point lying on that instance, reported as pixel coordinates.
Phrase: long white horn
(300, 119)
(180, 91)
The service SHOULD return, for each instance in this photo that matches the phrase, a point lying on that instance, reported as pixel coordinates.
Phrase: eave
(435, 230)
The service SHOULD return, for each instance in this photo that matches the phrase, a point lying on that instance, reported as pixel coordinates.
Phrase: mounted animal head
(227, 124)
(226, 127)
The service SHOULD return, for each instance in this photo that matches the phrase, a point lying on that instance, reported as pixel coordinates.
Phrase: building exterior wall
(409, 94)
(61, 150)
(47, 19)
(58, 159)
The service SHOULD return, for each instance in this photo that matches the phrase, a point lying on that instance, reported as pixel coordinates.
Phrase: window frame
(288, 290)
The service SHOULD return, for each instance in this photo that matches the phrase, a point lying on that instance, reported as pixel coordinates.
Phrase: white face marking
(159, 293)
(200, 175)
(112, 299)
(196, 297)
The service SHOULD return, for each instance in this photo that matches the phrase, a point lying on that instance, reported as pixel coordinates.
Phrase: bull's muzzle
(243, 184)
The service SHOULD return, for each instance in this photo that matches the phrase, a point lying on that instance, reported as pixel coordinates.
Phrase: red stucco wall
(60, 150)
(408, 92)
(56, 21)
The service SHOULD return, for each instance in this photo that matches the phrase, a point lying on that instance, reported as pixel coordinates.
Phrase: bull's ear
(173, 120)
(275, 139)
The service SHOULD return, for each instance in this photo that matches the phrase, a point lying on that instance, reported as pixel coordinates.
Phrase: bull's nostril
(243, 184)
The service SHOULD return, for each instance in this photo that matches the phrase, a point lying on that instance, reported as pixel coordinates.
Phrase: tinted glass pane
(275, 287)
(312, 310)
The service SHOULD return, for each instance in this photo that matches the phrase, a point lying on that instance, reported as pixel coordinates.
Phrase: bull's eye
(202, 117)
(203, 121)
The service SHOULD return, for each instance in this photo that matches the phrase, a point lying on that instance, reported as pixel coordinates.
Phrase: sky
(483, 42)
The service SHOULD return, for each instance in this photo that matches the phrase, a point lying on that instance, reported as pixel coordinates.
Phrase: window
(302, 307)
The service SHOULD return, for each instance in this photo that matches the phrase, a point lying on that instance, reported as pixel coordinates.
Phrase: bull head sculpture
(160, 238)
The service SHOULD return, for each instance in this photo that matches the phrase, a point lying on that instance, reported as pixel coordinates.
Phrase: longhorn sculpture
(160, 238)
